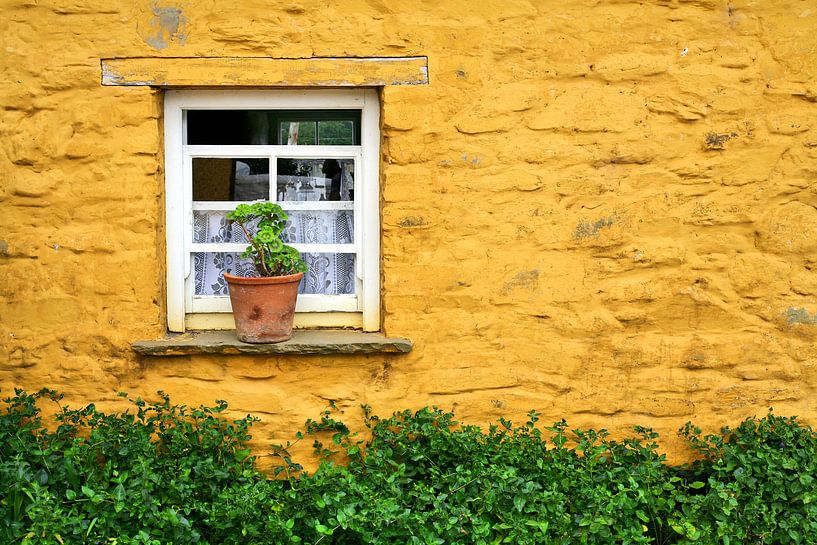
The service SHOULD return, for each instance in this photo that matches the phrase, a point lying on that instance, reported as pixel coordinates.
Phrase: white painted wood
(229, 247)
(264, 151)
(306, 303)
(226, 206)
(303, 320)
(175, 215)
(303, 248)
(370, 207)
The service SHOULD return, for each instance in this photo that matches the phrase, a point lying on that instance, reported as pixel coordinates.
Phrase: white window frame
(362, 310)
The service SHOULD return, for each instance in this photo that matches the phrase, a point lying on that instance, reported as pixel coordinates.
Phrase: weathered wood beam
(264, 71)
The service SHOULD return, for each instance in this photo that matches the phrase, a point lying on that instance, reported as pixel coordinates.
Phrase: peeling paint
(716, 141)
(586, 229)
(527, 280)
(800, 316)
(412, 221)
(168, 25)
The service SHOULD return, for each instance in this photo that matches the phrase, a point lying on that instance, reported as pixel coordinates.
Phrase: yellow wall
(604, 211)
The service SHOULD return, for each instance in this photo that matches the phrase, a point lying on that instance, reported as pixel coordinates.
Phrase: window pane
(208, 266)
(305, 227)
(301, 133)
(229, 127)
(212, 226)
(220, 179)
(320, 227)
(316, 179)
(329, 274)
(273, 127)
(336, 133)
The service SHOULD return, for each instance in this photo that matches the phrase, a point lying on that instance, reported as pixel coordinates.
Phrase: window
(315, 153)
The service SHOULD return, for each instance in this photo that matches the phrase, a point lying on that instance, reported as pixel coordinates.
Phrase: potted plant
(264, 306)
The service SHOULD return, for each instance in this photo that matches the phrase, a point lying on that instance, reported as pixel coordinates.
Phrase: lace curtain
(329, 273)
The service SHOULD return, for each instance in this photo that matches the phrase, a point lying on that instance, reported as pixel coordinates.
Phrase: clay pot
(264, 307)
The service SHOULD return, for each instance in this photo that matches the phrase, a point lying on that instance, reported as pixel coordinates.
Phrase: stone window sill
(318, 341)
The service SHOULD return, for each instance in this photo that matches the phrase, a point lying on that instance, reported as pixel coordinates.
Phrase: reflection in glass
(316, 179)
(225, 179)
(321, 133)
(336, 133)
(300, 133)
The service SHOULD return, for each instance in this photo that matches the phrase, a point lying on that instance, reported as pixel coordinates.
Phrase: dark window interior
(273, 127)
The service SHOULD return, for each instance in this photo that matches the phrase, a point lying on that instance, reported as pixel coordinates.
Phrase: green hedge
(167, 474)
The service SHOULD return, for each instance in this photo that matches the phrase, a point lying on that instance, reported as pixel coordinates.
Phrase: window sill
(319, 341)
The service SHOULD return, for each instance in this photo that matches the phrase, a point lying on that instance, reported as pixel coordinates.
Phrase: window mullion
(313, 248)
(293, 206)
(295, 152)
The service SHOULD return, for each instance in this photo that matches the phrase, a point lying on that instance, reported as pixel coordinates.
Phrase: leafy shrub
(161, 474)
(129, 476)
(759, 484)
(423, 478)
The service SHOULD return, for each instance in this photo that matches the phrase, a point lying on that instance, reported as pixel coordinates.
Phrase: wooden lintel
(264, 72)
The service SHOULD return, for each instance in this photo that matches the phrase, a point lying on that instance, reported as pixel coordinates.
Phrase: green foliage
(162, 474)
(758, 484)
(424, 478)
(269, 253)
(147, 476)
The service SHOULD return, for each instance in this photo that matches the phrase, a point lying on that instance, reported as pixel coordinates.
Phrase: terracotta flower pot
(264, 307)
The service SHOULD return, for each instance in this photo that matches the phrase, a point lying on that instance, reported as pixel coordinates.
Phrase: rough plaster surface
(604, 211)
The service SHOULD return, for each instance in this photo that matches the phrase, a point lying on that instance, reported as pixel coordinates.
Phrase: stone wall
(602, 210)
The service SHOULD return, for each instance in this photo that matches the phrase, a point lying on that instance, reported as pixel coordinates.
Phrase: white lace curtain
(329, 273)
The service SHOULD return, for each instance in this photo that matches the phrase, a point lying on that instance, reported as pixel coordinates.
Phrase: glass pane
(320, 227)
(336, 133)
(208, 266)
(316, 179)
(329, 274)
(300, 133)
(273, 127)
(229, 127)
(309, 227)
(224, 179)
(212, 226)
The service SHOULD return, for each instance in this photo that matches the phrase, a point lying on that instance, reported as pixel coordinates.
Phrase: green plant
(159, 474)
(424, 478)
(269, 253)
(756, 484)
(149, 476)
